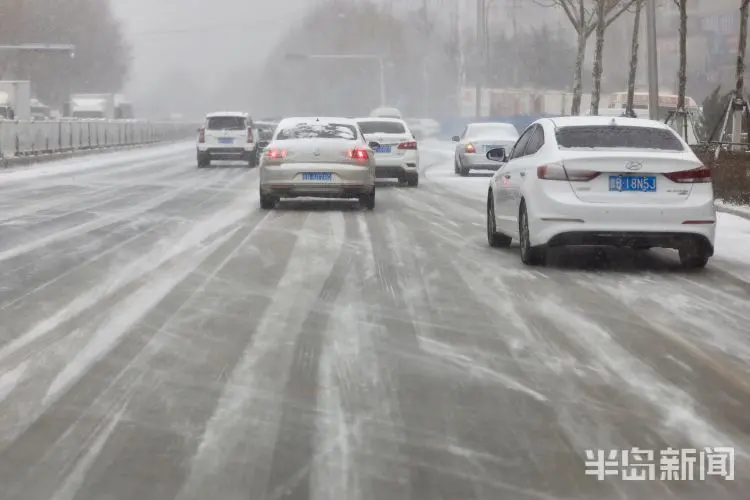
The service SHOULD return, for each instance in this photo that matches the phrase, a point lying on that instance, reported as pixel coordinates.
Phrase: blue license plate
(226, 140)
(317, 176)
(383, 149)
(643, 183)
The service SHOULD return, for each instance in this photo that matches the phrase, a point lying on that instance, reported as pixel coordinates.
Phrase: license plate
(226, 140)
(643, 183)
(317, 176)
(383, 149)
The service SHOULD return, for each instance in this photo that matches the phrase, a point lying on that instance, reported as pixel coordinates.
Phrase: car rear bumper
(477, 161)
(559, 218)
(225, 150)
(633, 239)
(348, 181)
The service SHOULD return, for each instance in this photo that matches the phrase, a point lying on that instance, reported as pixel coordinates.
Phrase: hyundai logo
(634, 165)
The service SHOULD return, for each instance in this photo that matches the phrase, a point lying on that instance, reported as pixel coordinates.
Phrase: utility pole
(653, 62)
(481, 11)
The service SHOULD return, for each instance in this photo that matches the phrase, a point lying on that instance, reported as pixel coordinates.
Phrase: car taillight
(556, 172)
(250, 135)
(202, 135)
(470, 148)
(408, 145)
(358, 154)
(276, 154)
(696, 175)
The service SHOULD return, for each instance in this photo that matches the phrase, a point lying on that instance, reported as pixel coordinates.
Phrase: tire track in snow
(100, 222)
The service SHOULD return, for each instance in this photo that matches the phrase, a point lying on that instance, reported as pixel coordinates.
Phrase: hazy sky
(212, 39)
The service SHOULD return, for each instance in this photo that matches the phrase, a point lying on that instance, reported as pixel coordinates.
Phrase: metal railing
(24, 138)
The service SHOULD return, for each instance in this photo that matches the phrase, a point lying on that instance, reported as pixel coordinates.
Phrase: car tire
(368, 200)
(463, 171)
(252, 160)
(694, 256)
(412, 180)
(530, 255)
(455, 167)
(495, 239)
(267, 202)
(203, 161)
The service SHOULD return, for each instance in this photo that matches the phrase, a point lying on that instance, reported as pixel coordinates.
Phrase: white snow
(79, 165)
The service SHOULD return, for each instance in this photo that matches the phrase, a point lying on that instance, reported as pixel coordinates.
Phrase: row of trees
(102, 56)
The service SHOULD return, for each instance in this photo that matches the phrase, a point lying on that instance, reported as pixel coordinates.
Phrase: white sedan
(601, 181)
(396, 155)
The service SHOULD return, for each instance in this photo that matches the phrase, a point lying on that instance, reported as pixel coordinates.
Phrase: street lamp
(653, 63)
(361, 57)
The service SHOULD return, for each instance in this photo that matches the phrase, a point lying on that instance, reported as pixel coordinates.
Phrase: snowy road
(162, 338)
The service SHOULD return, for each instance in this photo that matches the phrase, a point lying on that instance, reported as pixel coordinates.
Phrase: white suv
(228, 135)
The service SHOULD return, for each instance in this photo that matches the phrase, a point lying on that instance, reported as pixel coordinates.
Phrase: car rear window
(617, 137)
(226, 123)
(317, 130)
(265, 132)
(376, 127)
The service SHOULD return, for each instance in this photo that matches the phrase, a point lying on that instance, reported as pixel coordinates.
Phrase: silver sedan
(320, 158)
(479, 138)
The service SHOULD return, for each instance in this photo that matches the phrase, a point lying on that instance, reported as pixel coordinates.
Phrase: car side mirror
(455, 138)
(497, 154)
(262, 144)
(373, 144)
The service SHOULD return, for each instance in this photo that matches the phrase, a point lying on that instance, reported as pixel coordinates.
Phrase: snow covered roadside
(733, 226)
(89, 162)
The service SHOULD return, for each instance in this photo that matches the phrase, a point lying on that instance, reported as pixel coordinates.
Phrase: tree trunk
(575, 108)
(682, 75)
(681, 119)
(634, 57)
(740, 86)
(598, 58)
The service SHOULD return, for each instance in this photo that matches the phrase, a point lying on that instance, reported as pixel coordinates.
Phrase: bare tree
(598, 57)
(634, 57)
(582, 15)
(740, 75)
(682, 73)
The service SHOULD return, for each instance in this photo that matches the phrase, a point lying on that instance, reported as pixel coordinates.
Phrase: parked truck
(15, 100)
(91, 106)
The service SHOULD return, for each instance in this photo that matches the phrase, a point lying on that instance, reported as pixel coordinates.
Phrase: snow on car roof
(226, 113)
(288, 122)
(588, 121)
(379, 119)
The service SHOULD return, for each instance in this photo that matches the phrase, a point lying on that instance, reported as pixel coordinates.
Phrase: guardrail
(30, 138)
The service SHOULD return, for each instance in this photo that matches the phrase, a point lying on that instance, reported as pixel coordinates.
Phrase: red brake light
(555, 172)
(696, 175)
(202, 135)
(276, 154)
(250, 134)
(408, 145)
(358, 154)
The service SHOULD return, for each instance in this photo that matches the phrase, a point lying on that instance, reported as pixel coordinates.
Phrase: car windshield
(617, 137)
(226, 123)
(317, 130)
(490, 129)
(88, 114)
(382, 127)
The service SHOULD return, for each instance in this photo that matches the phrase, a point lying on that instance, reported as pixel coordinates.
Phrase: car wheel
(412, 180)
(463, 171)
(495, 239)
(368, 200)
(252, 160)
(203, 162)
(693, 256)
(455, 167)
(530, 255)
(267, 202)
